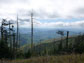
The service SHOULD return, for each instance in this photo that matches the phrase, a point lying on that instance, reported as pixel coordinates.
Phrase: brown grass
(73, 58)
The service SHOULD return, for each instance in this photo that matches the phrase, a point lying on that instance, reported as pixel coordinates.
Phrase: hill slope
(49, 44)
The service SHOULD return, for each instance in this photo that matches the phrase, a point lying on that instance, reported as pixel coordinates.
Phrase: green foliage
(28, 54)
(60, 47)
(4, 49)
(79, 44)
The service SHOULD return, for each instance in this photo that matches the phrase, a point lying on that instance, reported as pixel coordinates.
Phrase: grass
(73, 58)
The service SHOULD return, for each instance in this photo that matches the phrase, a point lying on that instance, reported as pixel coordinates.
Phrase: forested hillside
(58, 46)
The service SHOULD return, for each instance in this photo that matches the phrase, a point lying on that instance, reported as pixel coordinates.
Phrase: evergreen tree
(79, 44)
(4, 49)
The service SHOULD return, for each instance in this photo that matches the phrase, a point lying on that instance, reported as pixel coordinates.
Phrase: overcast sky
(47, 13)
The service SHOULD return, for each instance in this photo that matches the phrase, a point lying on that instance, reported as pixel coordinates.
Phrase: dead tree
(60, 45)
(3, 29)
(17, 32)
(14, 43)
(7, 35)
(31, 32)
(67, 41)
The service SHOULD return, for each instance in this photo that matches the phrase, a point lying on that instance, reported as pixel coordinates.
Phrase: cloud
(42, 8)
(58, 24)
(80, 10)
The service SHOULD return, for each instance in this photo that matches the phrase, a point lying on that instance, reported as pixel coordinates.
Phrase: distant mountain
(43, 34)
(28, 30)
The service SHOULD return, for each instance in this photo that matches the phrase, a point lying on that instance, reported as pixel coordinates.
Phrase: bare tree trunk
(67, 41)
(31, 32)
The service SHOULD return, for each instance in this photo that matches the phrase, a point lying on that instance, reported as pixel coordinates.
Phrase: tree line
(9, 46)
(68, 45)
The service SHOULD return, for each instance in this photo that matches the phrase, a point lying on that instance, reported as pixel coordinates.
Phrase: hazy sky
(47, 13)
